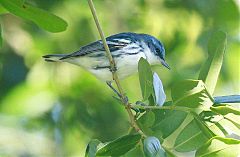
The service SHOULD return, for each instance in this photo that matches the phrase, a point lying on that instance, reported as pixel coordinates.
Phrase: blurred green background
(54, 109)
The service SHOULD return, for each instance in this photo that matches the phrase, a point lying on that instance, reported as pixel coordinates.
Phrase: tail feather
(54, 57)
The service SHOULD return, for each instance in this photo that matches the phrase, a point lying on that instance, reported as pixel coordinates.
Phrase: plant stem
(114, 70)
(172, 107)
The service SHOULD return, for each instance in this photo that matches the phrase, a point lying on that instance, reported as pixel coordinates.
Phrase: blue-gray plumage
(126, 49)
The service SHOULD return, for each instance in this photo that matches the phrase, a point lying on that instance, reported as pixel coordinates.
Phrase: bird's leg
(109, 83)
(125, 99)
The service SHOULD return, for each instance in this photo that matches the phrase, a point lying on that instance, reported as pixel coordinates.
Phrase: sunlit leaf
(92, 148)
(203, 126)
(237, 124)
(219, 147)
(192, 94)
(119, 146)
(211, 69)
(234, 119)
(170, 154)
(145, 78)
(230, 123)
(41, 17)
(221, 127)
(190, 138)
(167, 121)
(158, 89)
(185, 88)
(224, 110)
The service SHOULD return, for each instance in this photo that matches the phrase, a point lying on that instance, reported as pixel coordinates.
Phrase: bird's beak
(164, 63)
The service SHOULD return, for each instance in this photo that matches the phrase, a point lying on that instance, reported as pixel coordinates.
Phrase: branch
(113, 70)
(172, 107)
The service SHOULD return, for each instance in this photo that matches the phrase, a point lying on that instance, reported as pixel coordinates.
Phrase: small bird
(126, 49)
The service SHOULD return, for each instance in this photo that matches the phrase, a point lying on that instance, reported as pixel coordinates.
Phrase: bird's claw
(113, 69)
(125, 99)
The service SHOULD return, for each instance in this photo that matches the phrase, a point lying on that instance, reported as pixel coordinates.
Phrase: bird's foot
(125, 99)
(113, 69)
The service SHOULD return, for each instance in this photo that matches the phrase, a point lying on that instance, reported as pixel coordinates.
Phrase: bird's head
(157, 48)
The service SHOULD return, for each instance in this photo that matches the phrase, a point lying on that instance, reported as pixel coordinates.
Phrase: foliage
(211, 70)
(0, 36)
(190, 98)
(219, 146)
(73, 107)
(92, 148)
(43, 19)
(145, 79)
(119, 146)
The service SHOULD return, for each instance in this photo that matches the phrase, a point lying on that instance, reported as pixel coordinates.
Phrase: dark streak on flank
(101, 67)
(123, 54)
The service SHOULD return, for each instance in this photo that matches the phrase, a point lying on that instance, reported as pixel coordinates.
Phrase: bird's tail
(54, 57)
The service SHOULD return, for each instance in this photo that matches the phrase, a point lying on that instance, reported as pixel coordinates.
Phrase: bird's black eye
(159, 53)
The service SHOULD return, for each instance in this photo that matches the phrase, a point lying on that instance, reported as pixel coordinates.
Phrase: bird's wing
(94, 48)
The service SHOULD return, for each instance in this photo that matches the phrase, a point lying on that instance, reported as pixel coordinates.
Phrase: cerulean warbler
(126, 49)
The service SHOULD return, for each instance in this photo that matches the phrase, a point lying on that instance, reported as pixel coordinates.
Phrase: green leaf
(92, 148)
(186, 87)
(234, 119)
(231, 123)
(169, 153)
(211, 68)
(42, 18)
(145, 78)
(190, 138)
(220, 127)
(237, 124)
(151, 100)
(201, 124)
(192, 94)
(219, 147)
(224, 110)
(1, 41)
(167, 121)
(137, 151)
(119, 146)
(2, 10)
(146, 121)
(153, 148)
